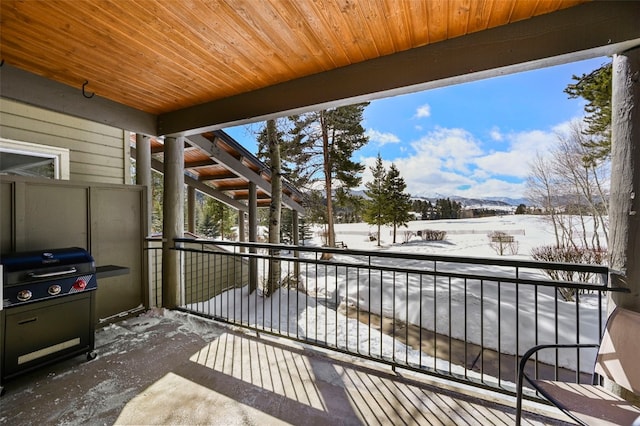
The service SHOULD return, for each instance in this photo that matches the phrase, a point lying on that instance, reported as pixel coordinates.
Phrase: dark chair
(618, 360)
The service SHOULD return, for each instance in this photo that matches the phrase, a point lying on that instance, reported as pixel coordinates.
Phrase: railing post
(296, 242)
(242, 229)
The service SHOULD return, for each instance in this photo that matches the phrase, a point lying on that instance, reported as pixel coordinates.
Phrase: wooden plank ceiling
(163, 56)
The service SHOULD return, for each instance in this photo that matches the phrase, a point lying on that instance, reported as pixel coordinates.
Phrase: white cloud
(441, 161)
(514, 160)
(423, 111)
(496, 135)
(445, 160)
(493, 187)
(454, 149)
(382, 138)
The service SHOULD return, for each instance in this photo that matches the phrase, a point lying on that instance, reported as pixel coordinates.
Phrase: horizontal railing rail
(465, 318)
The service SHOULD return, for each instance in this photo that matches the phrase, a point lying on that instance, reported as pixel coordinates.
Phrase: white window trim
(59, 155)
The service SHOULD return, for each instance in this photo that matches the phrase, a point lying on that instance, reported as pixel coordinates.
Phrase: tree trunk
(275, 207)
(331, 238)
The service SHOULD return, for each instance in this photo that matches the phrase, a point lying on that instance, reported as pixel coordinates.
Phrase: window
(29, 159)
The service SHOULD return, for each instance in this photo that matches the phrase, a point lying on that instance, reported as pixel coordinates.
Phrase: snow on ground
(465, 237)
(480, 311)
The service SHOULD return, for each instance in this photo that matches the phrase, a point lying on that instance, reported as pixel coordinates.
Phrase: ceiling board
(160, 56)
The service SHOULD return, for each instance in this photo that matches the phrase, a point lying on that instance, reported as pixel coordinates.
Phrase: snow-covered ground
(484, 312)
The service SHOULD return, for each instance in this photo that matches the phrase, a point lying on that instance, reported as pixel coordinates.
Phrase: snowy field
(483, 312)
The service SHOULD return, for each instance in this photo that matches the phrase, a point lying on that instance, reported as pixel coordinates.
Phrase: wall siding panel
(98, 153)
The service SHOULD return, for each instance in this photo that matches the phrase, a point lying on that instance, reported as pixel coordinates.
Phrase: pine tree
(398, 202)
(595, 88)
(215, 219)
(321, 148)
(157, 190)
(521, 209)
(376, 207)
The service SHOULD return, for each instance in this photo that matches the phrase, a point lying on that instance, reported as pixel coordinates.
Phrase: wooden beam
(585, 31)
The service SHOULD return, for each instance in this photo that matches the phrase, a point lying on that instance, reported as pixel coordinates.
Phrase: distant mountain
(489, 202)
(511, 201)
(466, 202)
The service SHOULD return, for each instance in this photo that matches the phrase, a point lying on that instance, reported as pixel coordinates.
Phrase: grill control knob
(80, 284)
(24, 295)
(55, 290)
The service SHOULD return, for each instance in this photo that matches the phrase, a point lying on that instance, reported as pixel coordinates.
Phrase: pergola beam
(237, 167)
(158, 166)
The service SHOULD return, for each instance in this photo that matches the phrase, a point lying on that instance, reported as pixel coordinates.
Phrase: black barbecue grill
(48, 309)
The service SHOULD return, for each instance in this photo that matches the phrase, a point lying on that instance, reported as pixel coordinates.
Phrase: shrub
(569, 255)
(503, 243)
(433, 235)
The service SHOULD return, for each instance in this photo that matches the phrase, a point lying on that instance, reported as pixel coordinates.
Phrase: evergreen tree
(398, 202)
(157, 191)
(595, 88)
(215, 219)
(322, 145)
(348, 206)
(315, 207)
(286, 228)
(376, 210)
(521, 209)
(447, 209)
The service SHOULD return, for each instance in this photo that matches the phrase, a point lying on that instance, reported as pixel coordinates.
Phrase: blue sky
(471, 140)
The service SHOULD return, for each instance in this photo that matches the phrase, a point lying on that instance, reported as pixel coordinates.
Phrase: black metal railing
(468, 319)
(153, 247)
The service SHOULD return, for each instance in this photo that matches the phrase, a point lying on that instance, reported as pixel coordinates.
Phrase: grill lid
(34, 266)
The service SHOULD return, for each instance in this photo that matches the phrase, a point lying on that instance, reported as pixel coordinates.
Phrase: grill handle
(52, 274)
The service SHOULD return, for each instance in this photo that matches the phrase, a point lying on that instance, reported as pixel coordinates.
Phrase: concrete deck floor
(172, 368)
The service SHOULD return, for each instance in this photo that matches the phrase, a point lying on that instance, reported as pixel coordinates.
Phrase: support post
(191, 209)
(624, 245)
(173, 220)
(143, 173)
(253, 235)
(143, 178)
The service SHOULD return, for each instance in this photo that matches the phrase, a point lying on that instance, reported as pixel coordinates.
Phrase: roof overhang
(574, 33)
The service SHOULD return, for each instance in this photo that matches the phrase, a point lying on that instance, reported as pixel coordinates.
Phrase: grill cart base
(48, 309)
